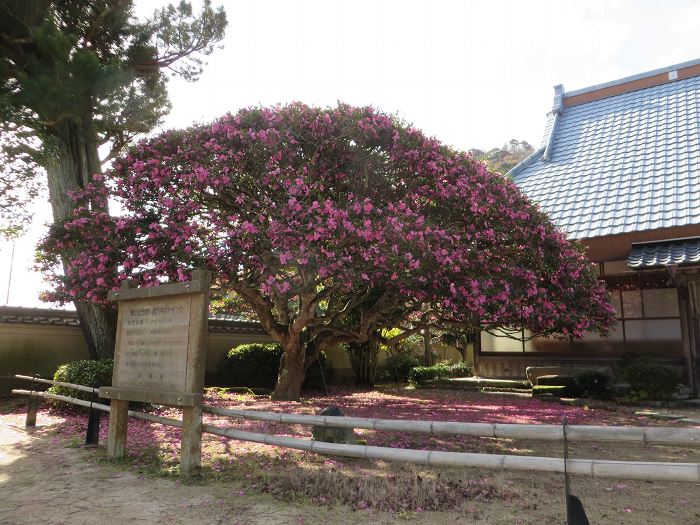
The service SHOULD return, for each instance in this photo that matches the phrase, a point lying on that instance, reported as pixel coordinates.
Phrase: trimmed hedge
(253, 365)
(651, 381)
(89, 372)
(399, 366)
(256, 365)
(422, 374)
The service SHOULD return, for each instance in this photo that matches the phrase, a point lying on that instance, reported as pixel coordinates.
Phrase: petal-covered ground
(307, 478)
(148, 439)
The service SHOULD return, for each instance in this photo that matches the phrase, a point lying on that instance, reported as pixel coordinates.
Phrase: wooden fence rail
(99, 406)
(83, 388)
(641, 470)
(646, 435)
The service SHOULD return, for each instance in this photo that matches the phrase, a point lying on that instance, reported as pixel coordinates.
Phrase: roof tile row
(620, 164)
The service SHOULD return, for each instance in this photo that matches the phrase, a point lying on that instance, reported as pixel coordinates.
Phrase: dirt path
(44, 482)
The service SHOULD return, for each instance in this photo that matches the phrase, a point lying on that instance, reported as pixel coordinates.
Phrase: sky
(474, 74)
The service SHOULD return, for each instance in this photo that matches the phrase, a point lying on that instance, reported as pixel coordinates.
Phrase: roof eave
(632, 78)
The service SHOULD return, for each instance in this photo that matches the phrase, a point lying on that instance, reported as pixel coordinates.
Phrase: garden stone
(658, 415)
(333, 434)
(534, 372)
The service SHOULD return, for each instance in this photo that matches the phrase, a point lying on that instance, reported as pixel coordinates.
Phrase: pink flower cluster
(293, 202)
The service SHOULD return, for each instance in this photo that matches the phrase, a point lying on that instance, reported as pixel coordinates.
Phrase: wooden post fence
(641, 470)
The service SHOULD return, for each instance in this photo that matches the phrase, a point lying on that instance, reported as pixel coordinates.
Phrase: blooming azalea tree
(329, 224)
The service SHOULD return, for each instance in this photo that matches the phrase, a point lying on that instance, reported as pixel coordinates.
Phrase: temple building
(619, 170)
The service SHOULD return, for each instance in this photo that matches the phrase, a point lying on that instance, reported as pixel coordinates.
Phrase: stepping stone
(658, 415)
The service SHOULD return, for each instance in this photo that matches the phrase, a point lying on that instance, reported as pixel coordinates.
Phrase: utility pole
(9, 278)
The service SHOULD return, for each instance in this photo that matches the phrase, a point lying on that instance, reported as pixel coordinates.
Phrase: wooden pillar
(118, 422)
(191, 448)
(693, 318)
(32, 407)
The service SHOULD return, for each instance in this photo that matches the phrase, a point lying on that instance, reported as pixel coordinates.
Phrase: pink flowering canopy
(294, 206)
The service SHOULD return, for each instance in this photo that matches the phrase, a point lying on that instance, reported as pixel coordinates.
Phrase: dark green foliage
(626, 360)
(252, 365)
(595, 384)
(84, 74)
(650, 380)
(400, 365)
(256, 365)
(94, 373)
(461, 370)
(79, 80)
(421, 374)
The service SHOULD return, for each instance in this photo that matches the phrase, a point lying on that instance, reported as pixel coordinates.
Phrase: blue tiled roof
(649, 255)
(626, 163)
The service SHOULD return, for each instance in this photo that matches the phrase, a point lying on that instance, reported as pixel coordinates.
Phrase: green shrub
(461, 369)
(400, 365)
(650, 380)
(627, 359)
(421, 374)
(256, 366)
(89, 372)
(253, 365)
(595, 384)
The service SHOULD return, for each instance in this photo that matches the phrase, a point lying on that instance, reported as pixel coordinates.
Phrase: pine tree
(78, 78)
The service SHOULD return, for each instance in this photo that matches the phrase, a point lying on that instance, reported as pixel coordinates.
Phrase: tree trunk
(292, 371)
(427, 350)
(462, 351)
(99, 328)
(70, 168)
(363, 358)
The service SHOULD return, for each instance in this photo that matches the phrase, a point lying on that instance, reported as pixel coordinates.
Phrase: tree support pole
(92, 436)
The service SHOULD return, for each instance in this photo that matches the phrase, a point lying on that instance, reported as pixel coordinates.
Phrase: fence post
(191, 447)
(118, 422)
(32, 407)
(92, 436)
